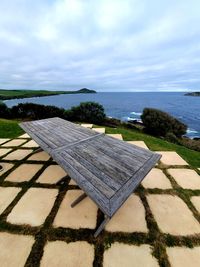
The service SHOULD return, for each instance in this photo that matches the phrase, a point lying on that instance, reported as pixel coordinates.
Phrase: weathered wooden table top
(108, 170)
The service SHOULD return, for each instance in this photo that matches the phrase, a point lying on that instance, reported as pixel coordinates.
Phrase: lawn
(11, 129)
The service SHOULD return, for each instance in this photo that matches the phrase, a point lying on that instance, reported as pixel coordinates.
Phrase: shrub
(4, 111)
(160, 123)
(86, 112)
(36, 111)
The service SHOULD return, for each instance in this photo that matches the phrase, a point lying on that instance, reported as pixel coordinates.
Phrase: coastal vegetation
(13, 94)
(193, 94)
(160, 123)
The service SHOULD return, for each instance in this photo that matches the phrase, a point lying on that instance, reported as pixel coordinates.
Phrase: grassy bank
(13, 94)
(11, 129)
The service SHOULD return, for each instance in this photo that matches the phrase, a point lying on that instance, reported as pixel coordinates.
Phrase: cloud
(107, 45)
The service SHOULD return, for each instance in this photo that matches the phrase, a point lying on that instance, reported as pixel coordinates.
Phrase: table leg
(79, 199)
(101, 226)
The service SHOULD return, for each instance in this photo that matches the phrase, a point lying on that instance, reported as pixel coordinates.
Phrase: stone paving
(159, 225)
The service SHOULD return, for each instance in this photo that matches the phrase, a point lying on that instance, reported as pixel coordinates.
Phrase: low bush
(86, 112)
(4, 111)
(160, 123)
(36, 111)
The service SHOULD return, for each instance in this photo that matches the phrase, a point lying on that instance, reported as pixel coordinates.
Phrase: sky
(105, 45)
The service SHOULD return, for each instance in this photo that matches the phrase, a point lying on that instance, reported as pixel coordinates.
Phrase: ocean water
(130, 105)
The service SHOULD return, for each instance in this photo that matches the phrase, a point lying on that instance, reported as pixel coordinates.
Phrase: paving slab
(24, 172)
(14, 249)
(24, 136)
(186, 178)
(18, 154)
(4, 151)
(117, 136)
(87, 125)
(61, 254)
(123, 255)
(183, 256)
(14, 143)
(3, 140)
(99, 130)
(156, 179)
(172, 215)
(138, 143)
(72, 182)
(33, 207)
(51, 175)
(6, 167)
(196, 202)
(83, 215)
(31, 143)
(40, 156)
(7, 195)
(171, 158)
(129, 218)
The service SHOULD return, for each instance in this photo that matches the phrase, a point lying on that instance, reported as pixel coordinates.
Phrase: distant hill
(86, 91)
(11, 94)
(193, 94)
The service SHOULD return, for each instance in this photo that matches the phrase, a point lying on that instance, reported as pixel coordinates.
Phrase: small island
(193, 94)
(14, 94)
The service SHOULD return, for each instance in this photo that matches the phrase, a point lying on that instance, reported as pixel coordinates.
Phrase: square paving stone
(156, 179)
(62, 254)
(138, 143)
(117, 136)
(7, 194)
(129, 218)
(40, 156)
(123, 255)
(87, 125)
(172, 215)
(24, 172)
(72, 182)
(83, 215)
(24, 136)
(3, 140)
(183, 256)
(6, 167)
(14, 249)
(31, 143)
(33, 207)
(51, 175)
(171, 158)
(18, 154)
(196, 202)
(99, 130)
(186, 178)
(4, 151)
(14, 142)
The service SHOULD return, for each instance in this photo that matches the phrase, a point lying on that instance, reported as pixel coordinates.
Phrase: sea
(128, 106)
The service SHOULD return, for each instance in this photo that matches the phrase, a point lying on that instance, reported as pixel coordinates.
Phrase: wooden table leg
(79, 199)
(101, 226)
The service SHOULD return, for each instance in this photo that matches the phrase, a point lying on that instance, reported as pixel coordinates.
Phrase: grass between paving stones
(47, 232)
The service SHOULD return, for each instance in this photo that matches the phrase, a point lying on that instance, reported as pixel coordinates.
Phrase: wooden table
(106, 169)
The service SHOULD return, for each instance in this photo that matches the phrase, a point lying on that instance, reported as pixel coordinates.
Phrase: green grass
(11, 129)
